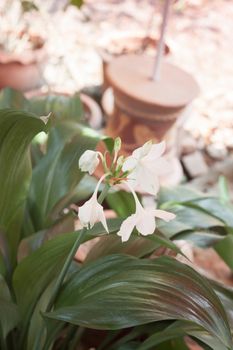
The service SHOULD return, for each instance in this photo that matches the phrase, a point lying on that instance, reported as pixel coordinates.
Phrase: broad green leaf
(111, 244)
(59, 171)
(202, 238)
(36, 271)
(9, 317)
(177, 194)
(223, 189)
(61, 106)
(216, 208)
(225, 294)
(85, 188)
(35, 241)
(10, 98)
(187, 219)
(121, 202)
(36, 331)
(224, 249)
(180, 329)
(17, 128)
(119, 291)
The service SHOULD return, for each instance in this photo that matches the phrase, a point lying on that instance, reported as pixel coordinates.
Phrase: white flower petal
(146, 223)
(102, 218)
(157, 150)
(160, 166)
(164, 215)
(146, 181)
(127, 227)
(85, 212)
(89, 161)
(142, 151)
(92, 212)
(129, 164)
(146, 167)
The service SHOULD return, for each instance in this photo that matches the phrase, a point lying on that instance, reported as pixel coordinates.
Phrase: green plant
(139, 302)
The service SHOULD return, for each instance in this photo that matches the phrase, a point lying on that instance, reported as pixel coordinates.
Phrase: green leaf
(188, 218)
(225, 294)
(17, 128)
(9, 317)
(129, 346)
(223, 188)
(59, 171)
(36, 271)
(177, 194)
(202, 238)
(29, 6)
(10, 98)
(35, 241)
(62, 107)
(120, 291)
(121, 202)
(109, 143)
(224, 249)
(180, 329)
(36, 326)
(216, 208)
(111, 244)
(77, 3)
(2, 265)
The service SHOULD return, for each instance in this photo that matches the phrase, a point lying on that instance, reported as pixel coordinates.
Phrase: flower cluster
(140, 171)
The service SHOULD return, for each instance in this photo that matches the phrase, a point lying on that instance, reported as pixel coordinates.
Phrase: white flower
(89, 161)
(143, 220)
(146, 166)
(92, 211)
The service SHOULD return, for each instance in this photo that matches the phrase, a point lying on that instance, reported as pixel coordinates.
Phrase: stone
(195, 164)
(217, 150)
(188, 144)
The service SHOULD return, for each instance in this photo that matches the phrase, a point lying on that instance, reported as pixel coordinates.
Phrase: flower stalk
(65, 268)
(71, 255)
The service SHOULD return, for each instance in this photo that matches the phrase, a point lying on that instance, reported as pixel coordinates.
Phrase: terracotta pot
(145, 109)
(126, 45)
(92, 111)
(22, 71)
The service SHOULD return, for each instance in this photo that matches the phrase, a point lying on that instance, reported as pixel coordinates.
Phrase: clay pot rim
(23, 58)
(132, 97)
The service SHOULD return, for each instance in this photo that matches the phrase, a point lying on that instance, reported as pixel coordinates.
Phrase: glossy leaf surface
(17, 128)
(120, 291)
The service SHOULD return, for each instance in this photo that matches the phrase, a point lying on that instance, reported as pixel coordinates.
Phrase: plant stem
(65, 268)
(103, 194)
(70, 257)
(160, 50)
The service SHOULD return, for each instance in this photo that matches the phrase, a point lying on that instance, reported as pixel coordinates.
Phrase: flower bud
(89, 161)
(117, 144)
